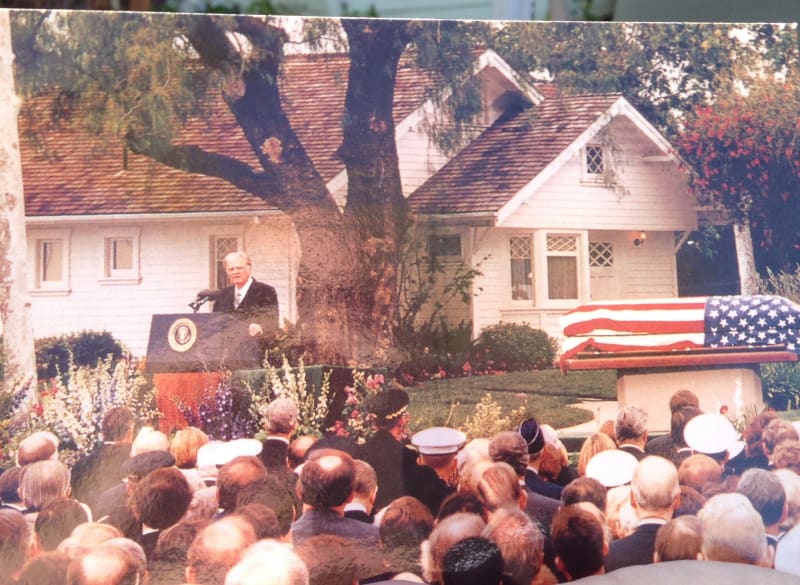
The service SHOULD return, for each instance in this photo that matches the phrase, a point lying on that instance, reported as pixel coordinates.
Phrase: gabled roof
(68, 171)
(494, 174)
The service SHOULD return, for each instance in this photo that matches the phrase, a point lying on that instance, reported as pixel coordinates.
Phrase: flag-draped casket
(672, 325)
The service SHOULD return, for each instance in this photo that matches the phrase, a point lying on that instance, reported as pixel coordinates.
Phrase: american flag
(681, 324)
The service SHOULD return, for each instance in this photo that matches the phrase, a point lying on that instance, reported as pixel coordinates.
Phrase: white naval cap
(438, 441)
(612, 467)
(711, 433)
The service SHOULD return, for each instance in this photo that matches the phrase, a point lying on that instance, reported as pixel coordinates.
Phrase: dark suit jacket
(365, 536)
(399, 474)
(259, 305)
(541, 510)
(634, 549)
(99, 471)
(634, 450)
(541, 486)
(274, 454)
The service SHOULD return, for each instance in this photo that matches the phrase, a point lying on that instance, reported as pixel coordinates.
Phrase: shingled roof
(69, 171)
(498, 164)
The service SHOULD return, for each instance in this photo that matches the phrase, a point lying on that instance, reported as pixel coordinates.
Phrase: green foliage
(74, 404)
(512, 346)
(781, 385)
(783, 284)
(55, 355)
(288, 382)
(487, 420)
(745, 152)
(662, 68)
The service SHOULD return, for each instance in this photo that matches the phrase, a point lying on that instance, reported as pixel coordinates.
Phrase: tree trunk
(745, 258)
(15, 307)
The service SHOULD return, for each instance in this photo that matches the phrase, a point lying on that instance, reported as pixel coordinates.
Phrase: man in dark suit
(655, 493)
(252, 301)
(395, 463)
(326, 486)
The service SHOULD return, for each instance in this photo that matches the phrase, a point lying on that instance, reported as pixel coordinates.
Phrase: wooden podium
(188, 353)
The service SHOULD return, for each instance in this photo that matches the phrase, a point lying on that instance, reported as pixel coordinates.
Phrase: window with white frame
(121, 256)
(51, 261)
(601, 254)
(221, 246)
(594, 163)
(521, 268)
(562, 266)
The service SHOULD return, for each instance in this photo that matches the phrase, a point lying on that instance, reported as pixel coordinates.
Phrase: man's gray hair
(281, 416)
(631, 423)
(268, 562)
(732, 530)
(655, 484)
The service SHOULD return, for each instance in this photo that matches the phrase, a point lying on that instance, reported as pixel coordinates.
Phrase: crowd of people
(297, 510)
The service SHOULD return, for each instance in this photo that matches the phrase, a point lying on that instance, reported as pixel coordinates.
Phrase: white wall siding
(174, 264)
(650, 196)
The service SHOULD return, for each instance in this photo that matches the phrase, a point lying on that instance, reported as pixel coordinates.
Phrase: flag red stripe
(624, 327)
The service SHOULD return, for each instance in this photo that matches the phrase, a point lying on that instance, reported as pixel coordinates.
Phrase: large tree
(142, 76)
(746, 158)
(17, 349)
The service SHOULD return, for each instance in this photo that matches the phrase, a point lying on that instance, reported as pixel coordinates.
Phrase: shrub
(781, 384)
(487, 419)
(55, 354)
(514, 347)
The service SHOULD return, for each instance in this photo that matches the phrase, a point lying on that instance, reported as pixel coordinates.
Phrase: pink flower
(351, 400)
(466, 368)
(375, 382)
(355, 414)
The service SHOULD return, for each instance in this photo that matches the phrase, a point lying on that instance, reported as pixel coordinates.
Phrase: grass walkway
(545, 394)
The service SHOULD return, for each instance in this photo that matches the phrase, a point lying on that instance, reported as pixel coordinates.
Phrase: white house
(554, 195)
(574, 199)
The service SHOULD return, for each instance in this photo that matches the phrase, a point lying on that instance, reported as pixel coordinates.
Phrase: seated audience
(447, 533)
(158, 501)
(56, 521)
(585, 489)
(365, 490)
(732, 531)
(655, 494)
(404, 525)
(592, 445)
(16, 544)
(235, 476)
(521, 544)
(168, 564)
(273, 493)
(691, 502)
(534, 437)
(184, 447)
(666, 445)
(787, 456)
(41, 483)
(678, 540)
(47, 568)
(765, 492)
(262, 519)
(630, 429)
(473, 561)
(108, 564)
(280, 424)
(332, 560)
(700, 472)
(268, 563)
(216, 548)
(579, 536)
(38, 446)
(500, 487)
(461, 501)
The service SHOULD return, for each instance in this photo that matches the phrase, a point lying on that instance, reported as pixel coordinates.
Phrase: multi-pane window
(601, 254)
(221, 246)
(562, 266)
(594, 160)
(445, 246)
(521, 268)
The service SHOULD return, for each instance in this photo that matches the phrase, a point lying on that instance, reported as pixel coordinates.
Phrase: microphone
(205, 295)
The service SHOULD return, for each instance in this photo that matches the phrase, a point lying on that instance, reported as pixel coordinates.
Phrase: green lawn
(546, 395)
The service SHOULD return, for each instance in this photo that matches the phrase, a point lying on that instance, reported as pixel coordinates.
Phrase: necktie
(237, 298)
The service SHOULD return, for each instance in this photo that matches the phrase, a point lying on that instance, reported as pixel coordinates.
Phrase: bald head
(654, 488)
(699, 471)
(38, 446)
(105, 565)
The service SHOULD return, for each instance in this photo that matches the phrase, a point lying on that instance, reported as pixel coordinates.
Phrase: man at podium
(251, 301)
